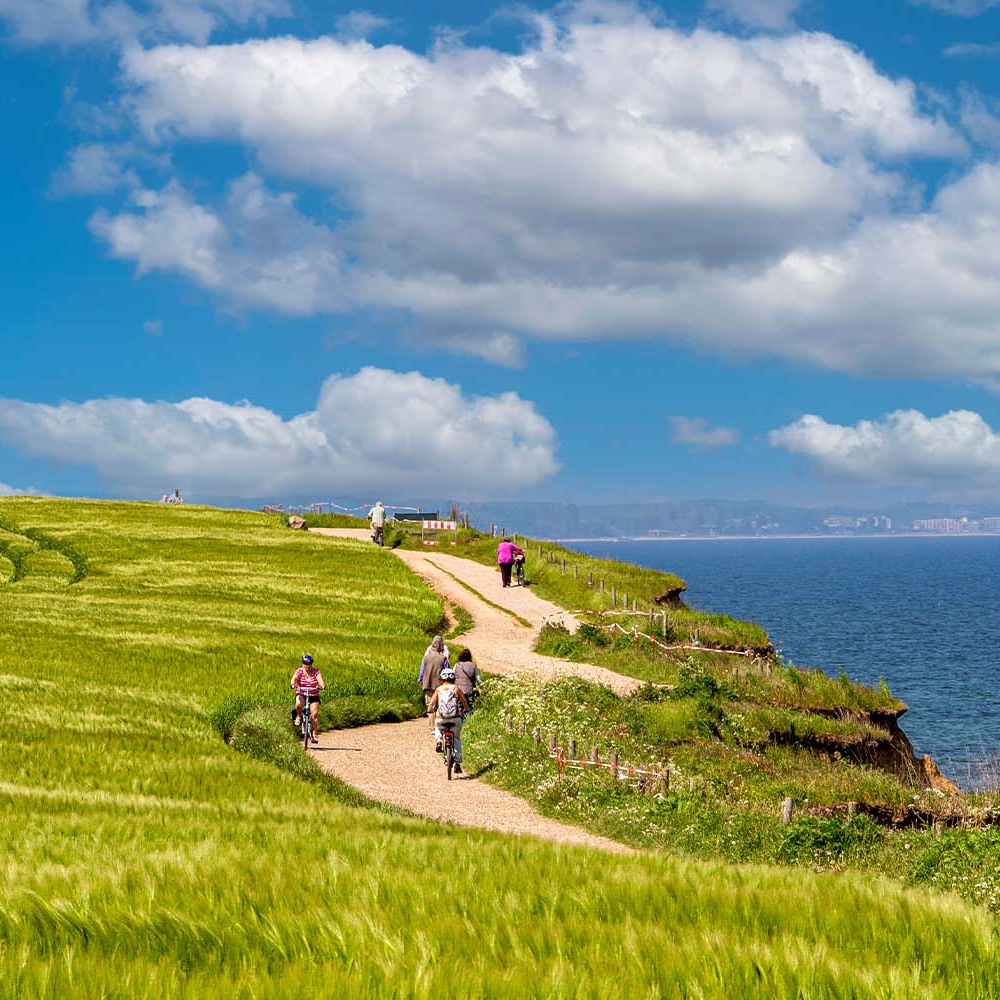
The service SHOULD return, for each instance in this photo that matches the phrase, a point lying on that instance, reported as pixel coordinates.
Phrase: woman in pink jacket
(506, 551)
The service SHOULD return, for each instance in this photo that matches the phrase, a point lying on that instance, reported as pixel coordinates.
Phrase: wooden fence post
(664, 625)
(634, 604)
(602, 584)
(664, 782)
(786, 811)
(590, 579)
(572, 749)
(508, 723)
(552, 742)
(625, 602)
(852, 808)
(536, 736)
(576, 572)
(614, 763)
(594, 756)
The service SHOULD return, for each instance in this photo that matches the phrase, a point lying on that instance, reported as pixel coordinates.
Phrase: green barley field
(143, 857)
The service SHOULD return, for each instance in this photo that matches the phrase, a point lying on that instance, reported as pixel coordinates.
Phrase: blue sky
(284, 249)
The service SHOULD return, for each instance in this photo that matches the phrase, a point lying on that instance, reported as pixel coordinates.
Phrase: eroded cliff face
(899, 758)
(893, 753)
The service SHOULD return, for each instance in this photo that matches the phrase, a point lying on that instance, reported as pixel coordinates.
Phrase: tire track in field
(39, 542)
(396, 762)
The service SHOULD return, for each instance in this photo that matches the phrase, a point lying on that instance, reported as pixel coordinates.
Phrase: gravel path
(399, 762)
(396, 763)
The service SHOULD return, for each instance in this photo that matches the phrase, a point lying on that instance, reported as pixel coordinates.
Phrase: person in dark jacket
(429, 678)
(467, 677)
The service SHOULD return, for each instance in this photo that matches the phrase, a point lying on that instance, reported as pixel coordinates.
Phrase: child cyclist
(307, 682)
(448, 705)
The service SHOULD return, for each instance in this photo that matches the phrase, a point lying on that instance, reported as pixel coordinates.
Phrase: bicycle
(378, 535)
(306, 721)
(448, 742)
(519, 571)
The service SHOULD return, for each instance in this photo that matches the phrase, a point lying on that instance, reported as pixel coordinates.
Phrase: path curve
(396, 763)
(399, 762)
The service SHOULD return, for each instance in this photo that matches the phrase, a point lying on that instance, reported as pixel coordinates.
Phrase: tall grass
(143, 857)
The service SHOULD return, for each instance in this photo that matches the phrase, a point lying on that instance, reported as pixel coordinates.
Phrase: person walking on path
(434, 662)
(506, 553)
(467, 677)
(448, 706)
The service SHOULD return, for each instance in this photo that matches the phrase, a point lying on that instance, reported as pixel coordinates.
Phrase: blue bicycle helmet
(307, 659)
(447, 674)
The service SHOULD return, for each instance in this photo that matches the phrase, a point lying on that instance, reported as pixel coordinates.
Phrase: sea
(920, 612)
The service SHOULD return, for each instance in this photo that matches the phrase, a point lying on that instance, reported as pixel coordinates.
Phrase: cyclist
(467, 677)
(377, 517)
(307, 682)
(449, 705)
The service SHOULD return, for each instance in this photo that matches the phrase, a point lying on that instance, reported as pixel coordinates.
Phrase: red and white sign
(440, 525)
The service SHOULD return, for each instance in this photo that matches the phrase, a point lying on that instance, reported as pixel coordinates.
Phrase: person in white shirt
(377, 517)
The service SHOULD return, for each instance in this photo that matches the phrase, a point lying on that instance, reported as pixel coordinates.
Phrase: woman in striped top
(307, 682)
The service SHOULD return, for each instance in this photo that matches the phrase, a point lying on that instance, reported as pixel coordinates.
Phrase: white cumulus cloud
(617, 178)
(375, 430)
(700, 434)
(905, 448)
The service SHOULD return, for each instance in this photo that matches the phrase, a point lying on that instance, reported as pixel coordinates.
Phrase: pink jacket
(506, 552)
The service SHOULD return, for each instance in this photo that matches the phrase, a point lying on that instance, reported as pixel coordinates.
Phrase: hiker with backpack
(448, 705)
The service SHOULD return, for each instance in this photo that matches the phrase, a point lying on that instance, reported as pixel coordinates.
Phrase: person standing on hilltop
(506, 552)
(435, 660)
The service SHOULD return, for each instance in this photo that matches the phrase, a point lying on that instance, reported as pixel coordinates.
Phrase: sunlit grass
(142, 857)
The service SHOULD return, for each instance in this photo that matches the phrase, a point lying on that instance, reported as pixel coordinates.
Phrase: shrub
(815, 841)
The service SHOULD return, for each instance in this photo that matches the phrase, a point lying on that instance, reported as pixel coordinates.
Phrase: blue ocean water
(920, 612)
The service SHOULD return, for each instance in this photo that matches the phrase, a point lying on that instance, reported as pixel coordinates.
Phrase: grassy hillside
(143, 857)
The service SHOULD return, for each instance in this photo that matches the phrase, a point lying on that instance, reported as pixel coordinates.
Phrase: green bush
(825, 841)
(671, 721)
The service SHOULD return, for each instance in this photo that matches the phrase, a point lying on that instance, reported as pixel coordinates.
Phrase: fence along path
(396, 763)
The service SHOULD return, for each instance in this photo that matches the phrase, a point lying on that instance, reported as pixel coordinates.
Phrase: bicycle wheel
(306, 728)
(449, 756)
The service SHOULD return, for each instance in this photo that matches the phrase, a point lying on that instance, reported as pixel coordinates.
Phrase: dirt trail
(499, 644)
(397, 763)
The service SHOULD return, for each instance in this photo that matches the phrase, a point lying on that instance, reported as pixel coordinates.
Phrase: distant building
(990, 524)
(941, 525)
(839, 523)
(870, 522)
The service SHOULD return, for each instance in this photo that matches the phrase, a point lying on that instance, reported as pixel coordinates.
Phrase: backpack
(448, 703)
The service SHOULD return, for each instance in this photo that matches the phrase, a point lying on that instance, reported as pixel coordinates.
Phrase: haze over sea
(920, 612)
